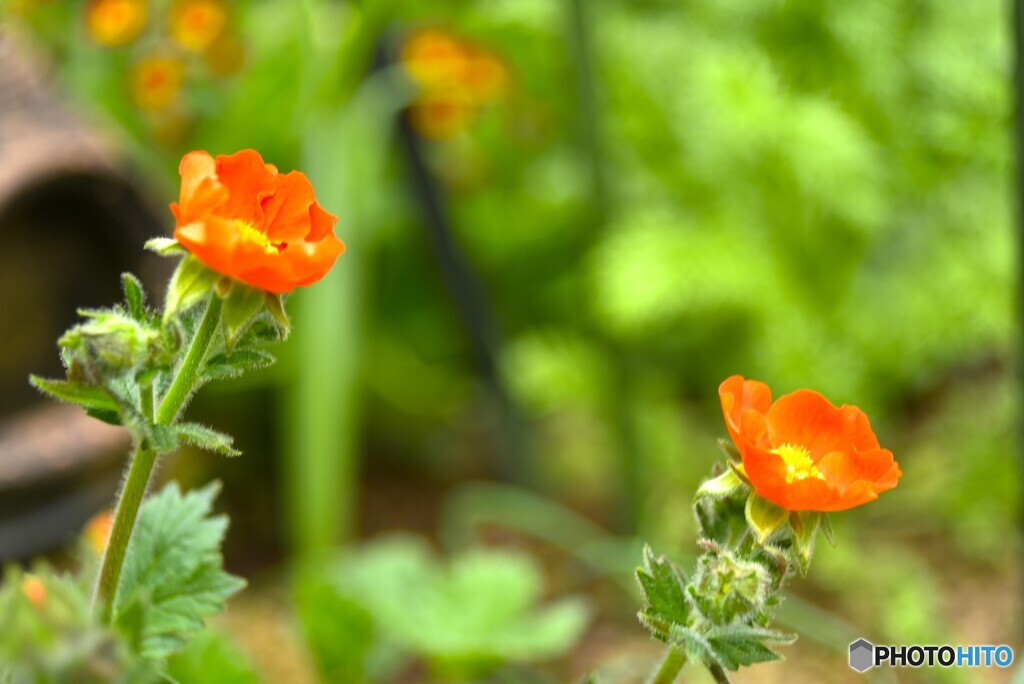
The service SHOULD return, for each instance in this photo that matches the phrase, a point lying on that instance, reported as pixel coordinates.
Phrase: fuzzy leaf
(173, 577)
(134, 296)
(723, 485)
(740, 645)
(167, 247)
(664, 592)
(206, 438)
(91, 397)
(764, 517)
(223, 366)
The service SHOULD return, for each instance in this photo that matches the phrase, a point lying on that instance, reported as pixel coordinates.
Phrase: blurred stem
(141, 468)
(670, 667)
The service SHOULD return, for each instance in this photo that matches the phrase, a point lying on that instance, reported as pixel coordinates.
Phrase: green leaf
(211, 658)
(206, 438)
(91, 397)
(723, 485)
(173, 576)
(241, 306)
(805, 530)
(134, 297)
(339, 632)
(665, 600)
(471, 614)
(191, 283)
(741, 645)
(232, 365)
(167, 247)
(764, 517)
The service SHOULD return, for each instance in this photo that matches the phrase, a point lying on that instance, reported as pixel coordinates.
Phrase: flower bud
(114, 342)
(728, 588)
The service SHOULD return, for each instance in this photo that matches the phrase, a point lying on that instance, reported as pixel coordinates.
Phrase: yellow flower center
(799, 465)
(250, 233)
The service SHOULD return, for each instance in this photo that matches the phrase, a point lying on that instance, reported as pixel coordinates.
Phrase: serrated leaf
(723, 485)
(763, 517)
(173, 577)
(167, 247)
(134, 296)
(191, 283)
(741, 645)
(664, 590)
(237, 362)
(89, 396)
(206, 438)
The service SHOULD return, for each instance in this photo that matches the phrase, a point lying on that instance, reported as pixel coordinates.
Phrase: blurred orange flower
(244, 219)
(114, 23)
(196, 24)
(156, 81)
(455, 79)
(97, 531)
(803, 453)
(34, 590)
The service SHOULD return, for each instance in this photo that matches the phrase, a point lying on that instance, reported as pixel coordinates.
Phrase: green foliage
(339, 631)
(173, 577)
(211, 658)
(464, 618)
(47, 634)
(666, 602)
(203, 437)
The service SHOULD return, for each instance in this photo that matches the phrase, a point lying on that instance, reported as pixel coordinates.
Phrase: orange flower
(244, 219)
(156, 82)
(803, 453)
(455, 79)
(35, 590)
(196, 24)
(114, 23)
(97, 531)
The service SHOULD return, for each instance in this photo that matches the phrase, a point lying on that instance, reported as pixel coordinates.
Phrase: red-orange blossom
(803, 453)
(244, 219)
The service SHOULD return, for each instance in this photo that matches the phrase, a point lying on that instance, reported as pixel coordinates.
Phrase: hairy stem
(137, 480)
(675, 658)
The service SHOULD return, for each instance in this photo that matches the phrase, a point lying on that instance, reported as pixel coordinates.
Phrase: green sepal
(191, 283)
(275, 305)
(206, 438)
(91, 397)
(167, 247)
(134, 297)
(717, 487)
(665, 600)
(763, 517)
(233, 365)
(805, 529)
(730, 450)
(826, 529)
(242, 304)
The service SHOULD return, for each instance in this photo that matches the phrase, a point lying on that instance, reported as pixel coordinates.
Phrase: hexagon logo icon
(862, 655)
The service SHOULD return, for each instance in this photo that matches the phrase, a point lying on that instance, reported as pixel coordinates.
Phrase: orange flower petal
(286, 213)
(802, 452)
(248, 181)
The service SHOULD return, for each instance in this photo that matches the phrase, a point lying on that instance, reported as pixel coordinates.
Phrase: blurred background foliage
(642, 197)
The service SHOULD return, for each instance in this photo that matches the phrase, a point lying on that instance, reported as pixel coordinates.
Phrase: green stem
(137, 481)
(675, 658)
(188, 372)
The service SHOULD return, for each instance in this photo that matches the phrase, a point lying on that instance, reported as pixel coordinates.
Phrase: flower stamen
(799, 465)
(251, 233)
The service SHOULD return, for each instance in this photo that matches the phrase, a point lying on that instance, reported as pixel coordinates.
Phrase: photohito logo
(864, 655)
